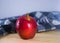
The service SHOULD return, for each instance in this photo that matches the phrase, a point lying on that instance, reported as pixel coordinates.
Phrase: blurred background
(10, 8)
(46, 13)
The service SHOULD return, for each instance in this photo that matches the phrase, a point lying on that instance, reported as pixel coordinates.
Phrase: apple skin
(26, 28)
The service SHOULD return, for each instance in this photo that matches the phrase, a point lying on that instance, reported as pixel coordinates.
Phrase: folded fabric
(46, 21)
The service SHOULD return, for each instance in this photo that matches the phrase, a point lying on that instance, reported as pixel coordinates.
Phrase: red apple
(26, 27)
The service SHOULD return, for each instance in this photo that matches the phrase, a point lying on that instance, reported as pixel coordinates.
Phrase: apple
(26, 27)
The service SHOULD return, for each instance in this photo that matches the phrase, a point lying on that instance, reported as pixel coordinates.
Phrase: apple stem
(28, 17)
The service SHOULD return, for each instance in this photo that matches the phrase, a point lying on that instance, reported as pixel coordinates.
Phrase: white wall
(10, 8)
(58, 6)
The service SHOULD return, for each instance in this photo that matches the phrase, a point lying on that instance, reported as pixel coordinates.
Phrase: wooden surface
(44, 37)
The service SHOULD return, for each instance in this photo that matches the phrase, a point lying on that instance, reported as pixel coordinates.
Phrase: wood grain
(44, 37)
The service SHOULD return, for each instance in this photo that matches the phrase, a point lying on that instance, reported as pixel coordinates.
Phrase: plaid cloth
(46, 21)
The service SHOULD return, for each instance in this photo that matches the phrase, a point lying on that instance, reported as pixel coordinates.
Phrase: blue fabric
(46, 21)
(2, 31)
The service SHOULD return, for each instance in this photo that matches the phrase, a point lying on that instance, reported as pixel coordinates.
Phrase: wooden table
(44, 37)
